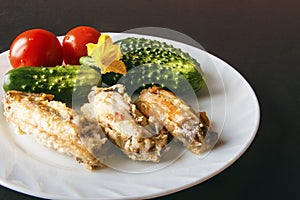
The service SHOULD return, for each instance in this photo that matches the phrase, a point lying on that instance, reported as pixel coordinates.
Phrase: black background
(259, 38)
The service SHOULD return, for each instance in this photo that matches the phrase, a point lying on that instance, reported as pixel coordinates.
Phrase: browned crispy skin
(52, 124)
(124, 125)
(177, 117)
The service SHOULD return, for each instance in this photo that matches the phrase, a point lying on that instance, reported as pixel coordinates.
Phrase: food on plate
(36, 98)
(74, 43)
(63, 82)
(67, 82)
(177, 117)
(146, 75)
(53, 125)
(35, 47)
(124, 125)
(139, 51)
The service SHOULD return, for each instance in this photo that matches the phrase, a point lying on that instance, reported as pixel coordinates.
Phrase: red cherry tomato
(74, 43)
(36, 47)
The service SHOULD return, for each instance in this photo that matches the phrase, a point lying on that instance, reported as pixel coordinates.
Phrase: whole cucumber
(139, 51)
(64, 82)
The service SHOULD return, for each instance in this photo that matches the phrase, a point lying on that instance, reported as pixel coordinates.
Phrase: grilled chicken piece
(124, 125)
(54, 125)
(177, 117)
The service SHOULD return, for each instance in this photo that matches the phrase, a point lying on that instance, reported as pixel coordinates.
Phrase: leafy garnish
(107, 55)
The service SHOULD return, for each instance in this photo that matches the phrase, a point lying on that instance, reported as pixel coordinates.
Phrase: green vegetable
(146, 53)
(108, 78)
(64, 82)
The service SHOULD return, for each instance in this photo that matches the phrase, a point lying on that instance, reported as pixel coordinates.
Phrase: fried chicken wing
(54, 125)
(124, 125)
(177, 117)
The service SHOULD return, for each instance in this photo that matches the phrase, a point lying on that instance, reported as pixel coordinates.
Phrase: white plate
(229, 101)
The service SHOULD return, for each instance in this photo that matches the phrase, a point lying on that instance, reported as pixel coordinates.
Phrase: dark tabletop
(259, 38)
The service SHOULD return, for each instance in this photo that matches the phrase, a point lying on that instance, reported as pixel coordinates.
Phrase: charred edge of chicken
(178, 118)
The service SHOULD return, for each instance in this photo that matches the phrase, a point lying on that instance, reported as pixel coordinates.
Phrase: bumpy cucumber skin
(61, 81)
(145, 75)
(139, 51)
(154, 74)
(158, 63)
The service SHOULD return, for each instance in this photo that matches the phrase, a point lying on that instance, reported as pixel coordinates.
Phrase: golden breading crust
(52, 124)
(176, 116)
